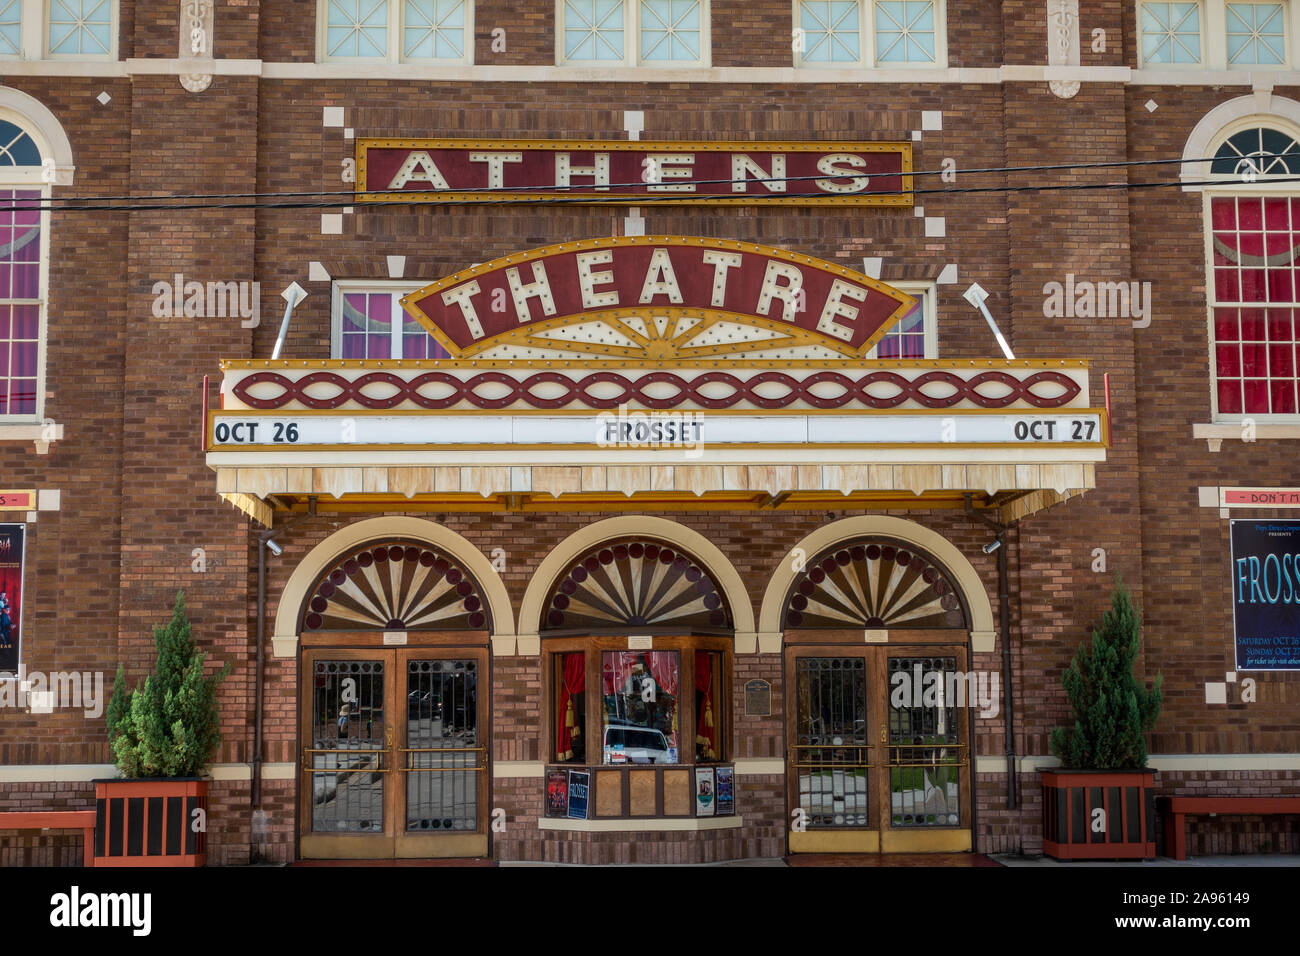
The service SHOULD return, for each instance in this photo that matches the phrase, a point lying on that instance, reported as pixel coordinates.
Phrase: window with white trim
(870, 33)
(58, 29)
(1216, 34)
(1253, 287)
(915, 335)
(370, 323)
(396, 31)
(660, 33)
(1170, 33)
(24, 254)
(1256, 34)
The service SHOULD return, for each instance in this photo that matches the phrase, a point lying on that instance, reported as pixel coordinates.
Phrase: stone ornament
(1063, 43)
(195, 41)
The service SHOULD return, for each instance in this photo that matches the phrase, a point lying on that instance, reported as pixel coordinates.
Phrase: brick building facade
(129, 502)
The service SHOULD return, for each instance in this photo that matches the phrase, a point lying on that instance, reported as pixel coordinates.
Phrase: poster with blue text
(1266, 594)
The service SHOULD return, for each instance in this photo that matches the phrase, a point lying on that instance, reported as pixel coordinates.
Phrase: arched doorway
(636, 621)
(394, 687)
(875, 630)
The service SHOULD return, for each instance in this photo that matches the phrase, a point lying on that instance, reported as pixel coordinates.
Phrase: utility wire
(168, 201)
(623, 200)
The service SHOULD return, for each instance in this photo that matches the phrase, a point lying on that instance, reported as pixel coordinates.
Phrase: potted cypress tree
(1101, 803)
(161, 734)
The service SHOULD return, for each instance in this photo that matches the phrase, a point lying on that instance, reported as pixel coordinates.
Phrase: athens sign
(614, 297)
(812, 174)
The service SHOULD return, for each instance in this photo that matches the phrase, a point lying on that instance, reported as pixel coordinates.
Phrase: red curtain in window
(706, 734)
(573, 681)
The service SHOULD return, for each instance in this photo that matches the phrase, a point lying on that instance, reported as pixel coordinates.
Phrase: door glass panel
(924, 756)
(832, 750)
(442, 745)
(348, 742)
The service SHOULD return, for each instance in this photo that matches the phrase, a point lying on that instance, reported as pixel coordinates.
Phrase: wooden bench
(1175, 811)
(83, 820)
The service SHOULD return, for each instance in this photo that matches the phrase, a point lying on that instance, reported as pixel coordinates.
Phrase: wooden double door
(878, 744)
(394, 753)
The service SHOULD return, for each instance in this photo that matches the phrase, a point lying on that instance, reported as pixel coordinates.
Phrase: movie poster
(557, 793)
(725, 791)
(579, 782)
(1266, 594)
(704, 804)
(12, 541)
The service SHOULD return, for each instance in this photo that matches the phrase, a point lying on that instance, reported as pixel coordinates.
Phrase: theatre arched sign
(616, 372)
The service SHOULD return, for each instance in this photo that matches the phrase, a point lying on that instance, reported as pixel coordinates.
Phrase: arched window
(1253, 290)
(23, 258)
(395, 586)
(874, 585)
(637, 644)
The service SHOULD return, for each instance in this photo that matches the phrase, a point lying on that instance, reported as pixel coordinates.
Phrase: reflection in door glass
(348, 741)
(831, 746)
(924, 756)
(442, 744)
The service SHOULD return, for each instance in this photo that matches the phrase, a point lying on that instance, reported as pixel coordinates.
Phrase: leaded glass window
(1256, 34)
(1171, 33)
(80, 28)
(356, 28)
(670, 30)
(832, 742)
(594, 30)
(11, 27)
(831, 31)
(905, 31)
(435, 30)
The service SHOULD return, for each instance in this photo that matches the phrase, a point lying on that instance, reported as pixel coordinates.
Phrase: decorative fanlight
(392, 587)
(873, 585)
(637, 583)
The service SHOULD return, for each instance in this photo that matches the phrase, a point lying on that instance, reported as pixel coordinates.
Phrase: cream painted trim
(57, 773)
(1234, 430)
(46, 130)
(993, 763)
(285, 634)
(244, 771)
(1231, 113)
(794, 76)
(641, 826)
(846, 529)
(572, 547)
(983, 642)
(518, 768)
(759, 766)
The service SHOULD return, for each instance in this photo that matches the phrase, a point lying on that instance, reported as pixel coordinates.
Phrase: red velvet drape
(706, 734)
(573, 682)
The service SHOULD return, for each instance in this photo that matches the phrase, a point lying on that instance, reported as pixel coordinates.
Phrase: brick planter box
(150, 822)
(1070, 801)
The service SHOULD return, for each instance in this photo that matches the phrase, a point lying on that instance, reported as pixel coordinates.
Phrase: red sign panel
(806, 300)
(635, 172)
(1262, 497)
(18, 500)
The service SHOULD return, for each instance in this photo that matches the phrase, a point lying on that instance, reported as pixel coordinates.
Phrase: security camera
(274, 547)
(992, 546)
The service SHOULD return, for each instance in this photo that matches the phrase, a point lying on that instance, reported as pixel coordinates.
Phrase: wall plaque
(758, 698)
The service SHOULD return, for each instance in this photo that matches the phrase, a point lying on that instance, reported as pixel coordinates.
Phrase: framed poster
(1266, 594)
(579, 784)
(557, 793)
(704, 796)
(12, 543)
(725, 791)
